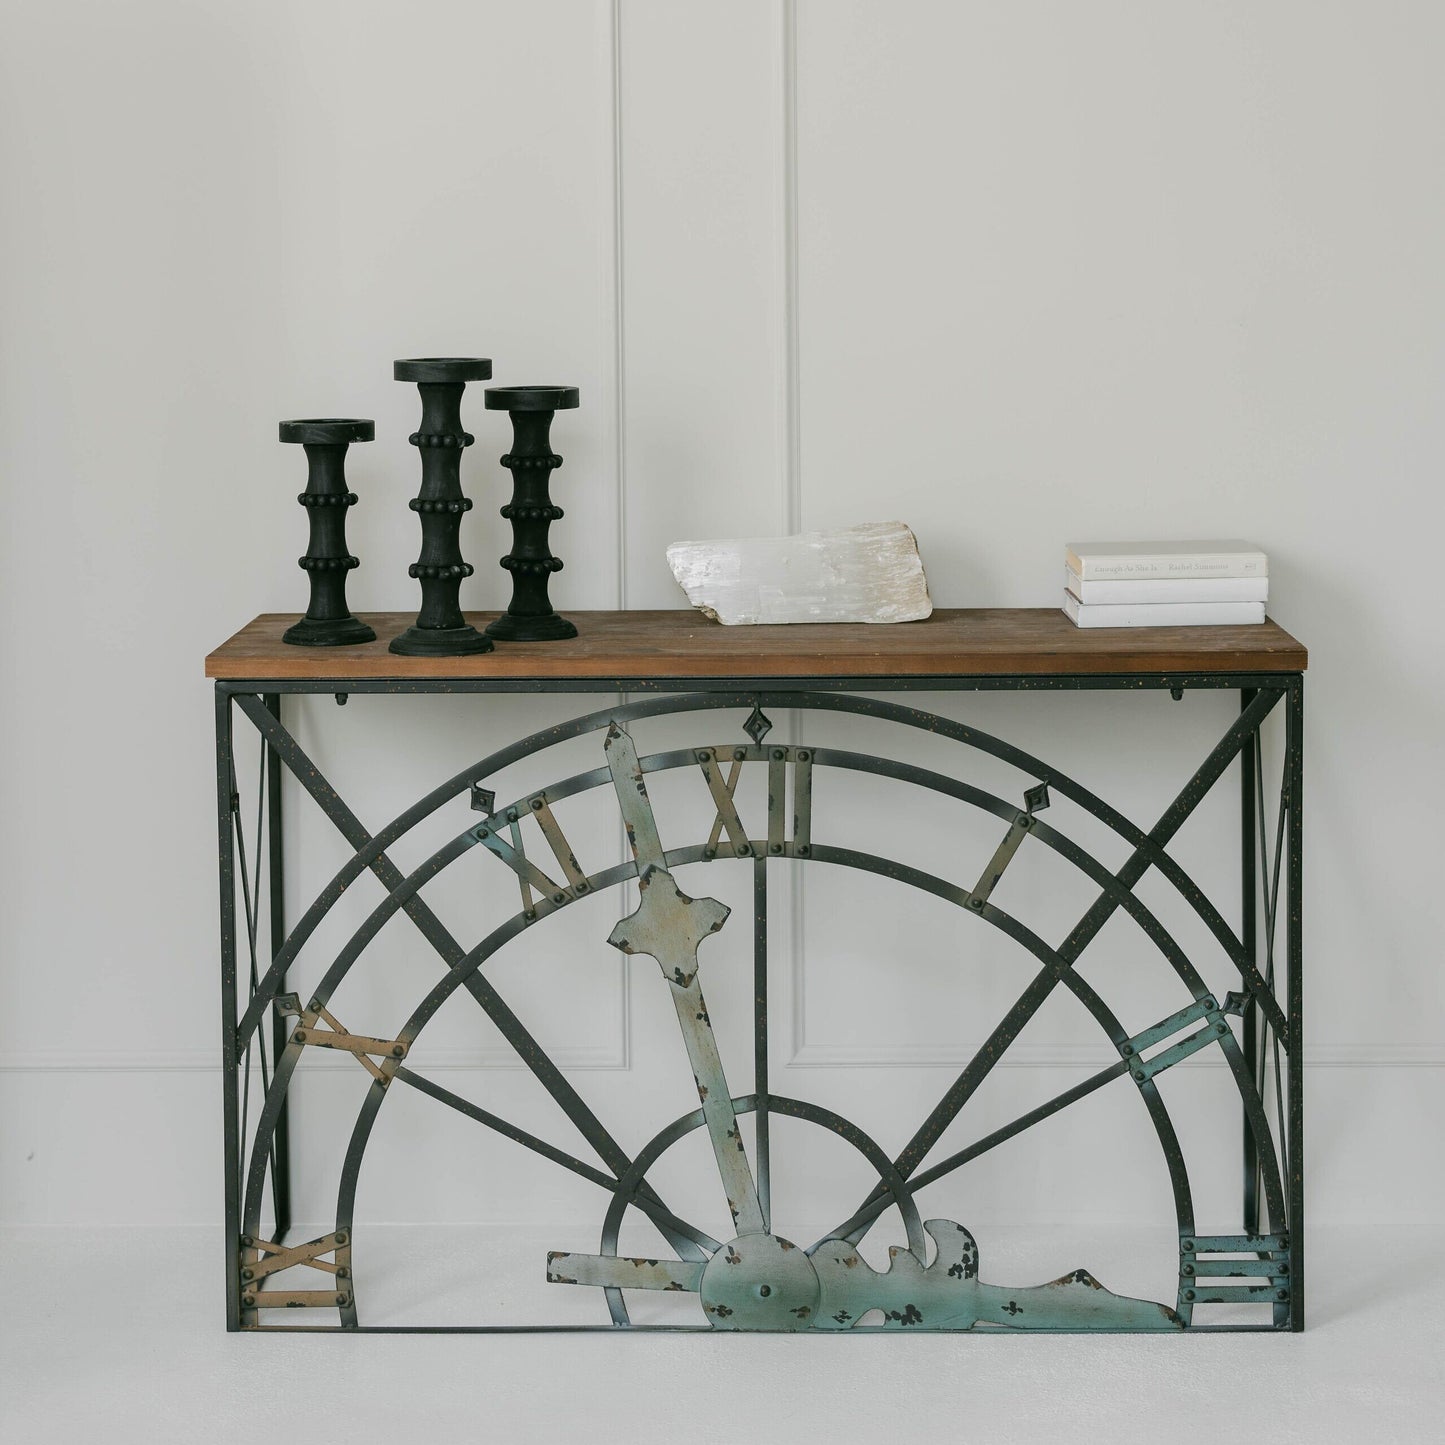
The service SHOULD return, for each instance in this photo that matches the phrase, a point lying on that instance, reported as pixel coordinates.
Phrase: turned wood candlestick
(328, 621)
(529, 616)
(440, 630)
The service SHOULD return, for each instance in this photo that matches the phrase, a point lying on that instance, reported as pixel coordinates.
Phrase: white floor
(108, 1337)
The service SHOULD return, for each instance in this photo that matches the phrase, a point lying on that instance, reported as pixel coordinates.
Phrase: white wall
(1017, 273)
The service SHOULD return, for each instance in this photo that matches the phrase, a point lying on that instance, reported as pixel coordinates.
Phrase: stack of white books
(1165, 584)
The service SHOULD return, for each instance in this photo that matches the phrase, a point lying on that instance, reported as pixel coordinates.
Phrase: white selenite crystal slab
(871, 573)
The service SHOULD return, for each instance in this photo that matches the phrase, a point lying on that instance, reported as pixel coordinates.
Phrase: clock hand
(632, 800)
(669, 926)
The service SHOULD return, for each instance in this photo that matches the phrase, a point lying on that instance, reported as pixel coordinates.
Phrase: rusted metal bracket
(262, 1258)
(514, 854)
(335, 1035)
(722, 796)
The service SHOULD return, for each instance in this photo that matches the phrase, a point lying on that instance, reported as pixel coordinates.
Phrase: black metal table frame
(1271, 1167)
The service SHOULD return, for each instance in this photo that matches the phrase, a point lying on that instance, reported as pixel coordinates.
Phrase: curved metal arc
(528, 1050)
(271, 1107)
(1270, 1165)
(658, 1145)
(916, 878)
(1055, 969)
(1087, 928)
(1060, 843)
(527, 1140)
(371, 852)
(910, 773)
(935, 782)
(1153, 853)
(468, 965)
(395, 900)
(992, 1140)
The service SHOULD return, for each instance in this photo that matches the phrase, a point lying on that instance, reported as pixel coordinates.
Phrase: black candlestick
(440, 629)
(529, 616)
(328, 621)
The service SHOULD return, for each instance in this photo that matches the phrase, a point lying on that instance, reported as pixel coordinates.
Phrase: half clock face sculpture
(755, 1278)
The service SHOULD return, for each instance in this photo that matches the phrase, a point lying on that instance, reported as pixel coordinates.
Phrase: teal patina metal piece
(669, 925)
(1260, 1262)
(948, 1294)
(765, 1282)
(760, 1281)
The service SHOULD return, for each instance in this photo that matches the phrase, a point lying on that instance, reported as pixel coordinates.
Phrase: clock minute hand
(669, 926)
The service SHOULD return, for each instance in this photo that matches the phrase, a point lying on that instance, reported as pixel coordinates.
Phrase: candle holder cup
(529, 616)
(328, 621)
(440, 630)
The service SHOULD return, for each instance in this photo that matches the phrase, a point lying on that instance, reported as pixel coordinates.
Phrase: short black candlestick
(328, 621)
(440, 629)
(529, 616)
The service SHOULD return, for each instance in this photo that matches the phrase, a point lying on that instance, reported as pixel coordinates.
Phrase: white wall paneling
(1016, 274)
(704, 328)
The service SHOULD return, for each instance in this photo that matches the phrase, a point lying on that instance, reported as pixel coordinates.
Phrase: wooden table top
(967, 642)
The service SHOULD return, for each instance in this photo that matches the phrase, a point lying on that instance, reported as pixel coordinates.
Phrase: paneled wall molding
(792, 498)
(619, 295)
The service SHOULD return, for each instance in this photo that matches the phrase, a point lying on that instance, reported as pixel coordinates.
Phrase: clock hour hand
(670, 926)
(632, 800)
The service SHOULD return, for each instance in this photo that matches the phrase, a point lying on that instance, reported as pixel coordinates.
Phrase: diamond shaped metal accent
(758, 725)
(484, 800)
(1037, 799)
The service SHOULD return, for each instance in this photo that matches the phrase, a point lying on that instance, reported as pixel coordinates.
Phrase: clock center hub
(760, 1282)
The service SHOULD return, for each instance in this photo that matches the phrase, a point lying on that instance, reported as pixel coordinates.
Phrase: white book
(1168, 589)
(1162, 614)
(1142, 561)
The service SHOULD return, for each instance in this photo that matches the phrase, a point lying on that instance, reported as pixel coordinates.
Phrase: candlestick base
(461, 641)
(328, 632)
(551, 628)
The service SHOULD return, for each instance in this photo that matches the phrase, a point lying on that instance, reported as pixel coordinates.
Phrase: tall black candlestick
(328, 621)
(529, 616)
(440, 629)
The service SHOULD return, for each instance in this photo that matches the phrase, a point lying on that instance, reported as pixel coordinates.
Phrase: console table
(1246, 1272)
